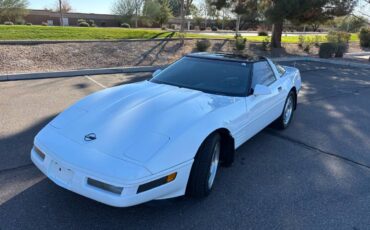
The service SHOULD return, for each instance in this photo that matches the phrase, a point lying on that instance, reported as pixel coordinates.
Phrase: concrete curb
(138, 69)
(327, 61)
(38, 42)
(75, 73)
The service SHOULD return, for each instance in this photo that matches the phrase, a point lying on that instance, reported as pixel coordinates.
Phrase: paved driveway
(314, 175)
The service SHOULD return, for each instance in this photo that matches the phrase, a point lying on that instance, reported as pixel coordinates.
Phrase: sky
(105, 6)
(84, 6)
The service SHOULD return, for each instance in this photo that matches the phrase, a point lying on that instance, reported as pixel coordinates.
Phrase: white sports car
(165, 137)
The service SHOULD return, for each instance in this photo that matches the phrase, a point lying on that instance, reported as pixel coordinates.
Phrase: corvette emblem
(90, 137)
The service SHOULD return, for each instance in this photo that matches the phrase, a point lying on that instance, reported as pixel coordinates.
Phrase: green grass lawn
(81, 33)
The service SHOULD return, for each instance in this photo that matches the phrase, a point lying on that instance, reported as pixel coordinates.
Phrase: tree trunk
(277, 31)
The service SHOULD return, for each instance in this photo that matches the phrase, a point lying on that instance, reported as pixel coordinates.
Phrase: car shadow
(15, 149)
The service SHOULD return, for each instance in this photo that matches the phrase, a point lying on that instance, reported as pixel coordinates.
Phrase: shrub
(240, 43)
(238, 35)
(266, 43)
(327, 50)
(300, 41)
(263, 33)
(305, 43)
(125, 25)
(28, 24)
(20, 22)
(203, 45)
(84, 24)
(338, 37)
(365, 37)
(341, 48)
(8, 23)
(317, 41)
(202, 28)
(340, 41)
(91, 23)
(214, 28)
(164, 28)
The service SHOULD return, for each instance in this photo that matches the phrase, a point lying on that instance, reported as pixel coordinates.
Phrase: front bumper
(75, 179)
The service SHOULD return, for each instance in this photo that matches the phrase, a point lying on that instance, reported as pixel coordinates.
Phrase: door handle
(280, 88)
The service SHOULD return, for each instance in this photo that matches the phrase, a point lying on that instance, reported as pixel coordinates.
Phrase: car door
(262, 109)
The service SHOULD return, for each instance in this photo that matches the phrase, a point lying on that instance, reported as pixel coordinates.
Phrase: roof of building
(51, 13)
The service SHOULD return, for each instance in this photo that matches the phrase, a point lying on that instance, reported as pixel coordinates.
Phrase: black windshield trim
(198, 89)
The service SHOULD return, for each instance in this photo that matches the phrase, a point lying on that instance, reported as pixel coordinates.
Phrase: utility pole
(61, 13)
(182, 13)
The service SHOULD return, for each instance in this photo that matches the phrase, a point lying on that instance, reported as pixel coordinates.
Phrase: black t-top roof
(227, 57)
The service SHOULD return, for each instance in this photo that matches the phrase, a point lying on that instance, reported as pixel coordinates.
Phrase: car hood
(135, 121)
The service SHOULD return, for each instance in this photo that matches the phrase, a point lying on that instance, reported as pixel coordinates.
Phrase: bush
(300, 41)
(28, 24)
(263, 33)
(327, 50)
(92, 23)
(305, 43)
(8, 23)
(266, 43)
(240, 43)
(125, 25)
(84, 24)
(317, 41)
(20, 22)
(164, 28)
(340, 41)
(203, 45)
(365, 37)
(238, 35)
(214, 28)
(338, 37)
(341, 48)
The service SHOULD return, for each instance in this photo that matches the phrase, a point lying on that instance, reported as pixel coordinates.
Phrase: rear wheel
(286, 117)
(205, 166)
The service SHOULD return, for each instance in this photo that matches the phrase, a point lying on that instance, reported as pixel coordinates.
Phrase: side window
(262, 74)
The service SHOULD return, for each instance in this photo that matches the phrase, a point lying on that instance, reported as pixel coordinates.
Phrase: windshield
(211, 76)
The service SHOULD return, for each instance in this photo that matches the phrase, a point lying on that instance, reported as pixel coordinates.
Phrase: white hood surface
(135, 121)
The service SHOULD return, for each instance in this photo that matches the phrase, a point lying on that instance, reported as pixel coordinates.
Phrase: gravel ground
(71, 56)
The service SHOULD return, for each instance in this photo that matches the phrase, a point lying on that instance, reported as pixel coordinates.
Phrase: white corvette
(165, 137)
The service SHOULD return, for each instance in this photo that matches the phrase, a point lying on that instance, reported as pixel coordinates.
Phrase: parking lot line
(96, 82)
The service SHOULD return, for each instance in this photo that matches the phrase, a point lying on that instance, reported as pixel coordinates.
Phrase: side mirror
(156, 72)
(261, 90)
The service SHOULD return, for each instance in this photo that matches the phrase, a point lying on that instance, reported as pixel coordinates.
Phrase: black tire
(280, 123)
(200, 172)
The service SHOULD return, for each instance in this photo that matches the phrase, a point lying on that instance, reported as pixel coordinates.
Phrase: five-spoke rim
(288, 110)
(214, 165)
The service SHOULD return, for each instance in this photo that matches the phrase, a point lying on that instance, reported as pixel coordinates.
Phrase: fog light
(104, 186)
(39, 152)
(156, 183)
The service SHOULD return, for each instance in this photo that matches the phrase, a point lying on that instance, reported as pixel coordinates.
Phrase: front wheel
(205, 166)
(286, 117)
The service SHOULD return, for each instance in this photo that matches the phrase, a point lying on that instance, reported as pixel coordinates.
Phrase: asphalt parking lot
(314, 175)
